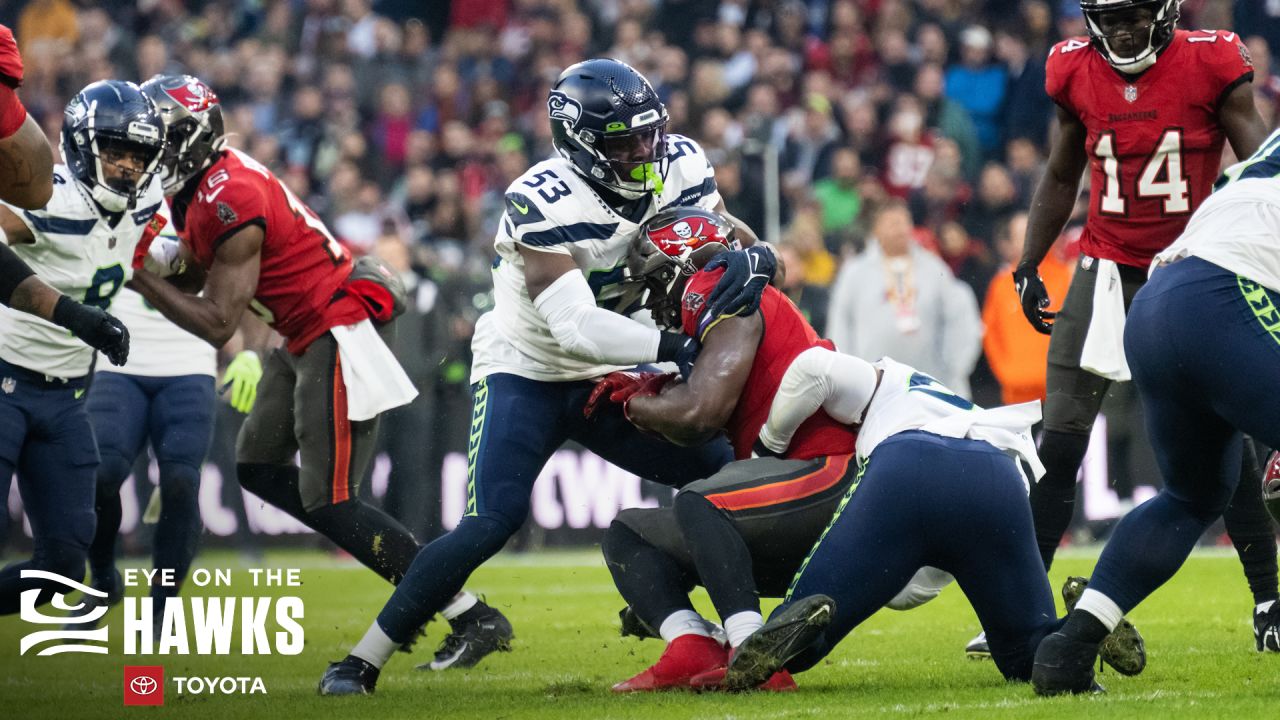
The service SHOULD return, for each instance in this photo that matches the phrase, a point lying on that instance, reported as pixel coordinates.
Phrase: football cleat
(475, 634)
(633, 626)
(1266, 629)
(786, 635)
(1064, 665)
(351, 676)
(686, 657)
(780, 681)
(1123, 649)
(978, 649)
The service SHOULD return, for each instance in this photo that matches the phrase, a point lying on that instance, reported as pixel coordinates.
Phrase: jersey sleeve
(695, 320)
(1059, 67)
(64, 214)
(691, 169)
(10, 60)
(542, 211)
(1227, 60)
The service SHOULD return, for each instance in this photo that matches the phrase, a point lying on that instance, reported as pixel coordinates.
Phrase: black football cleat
(1123, 648)
(978, 649)
(1063, 665)
(351, 676)
(477, 633)
(786, 635)
(1266, 629)
(633, 626)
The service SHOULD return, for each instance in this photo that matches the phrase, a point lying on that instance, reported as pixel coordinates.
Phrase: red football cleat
(685, 657)
(714, 679)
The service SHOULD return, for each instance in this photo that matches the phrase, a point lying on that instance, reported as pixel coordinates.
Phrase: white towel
(1007, 427)
(1103, 352)
(374, 379)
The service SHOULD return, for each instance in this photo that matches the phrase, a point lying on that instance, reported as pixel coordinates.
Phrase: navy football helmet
(670, 248)
(193, 118)
(112, 139)
(607, 121)
(1113, 26)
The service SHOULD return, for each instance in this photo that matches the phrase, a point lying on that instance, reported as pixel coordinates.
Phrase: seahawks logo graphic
(563, 107)
(63, 639)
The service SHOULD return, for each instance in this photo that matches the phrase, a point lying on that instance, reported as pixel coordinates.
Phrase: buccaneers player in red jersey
(321, 394)
(1146, 107)
(746, 530)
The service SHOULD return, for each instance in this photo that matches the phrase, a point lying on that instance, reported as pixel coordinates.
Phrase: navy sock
(1053, 498)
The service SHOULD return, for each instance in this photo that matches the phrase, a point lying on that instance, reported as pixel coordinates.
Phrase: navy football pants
(176, 415)
(516, 425)
(1204, 347)
(45, 436)
(957, 505)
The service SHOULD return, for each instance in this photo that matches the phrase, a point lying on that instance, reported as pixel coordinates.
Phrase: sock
(461, 603)
(1053, 498)
(1099, 607)
(740, 626)
(683, 622)
(1251, 531)
(375, 647)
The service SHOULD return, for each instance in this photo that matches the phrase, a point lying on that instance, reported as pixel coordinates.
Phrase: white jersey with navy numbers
(1238, 227)
(85, 254)
(157, 347)
(552, 208)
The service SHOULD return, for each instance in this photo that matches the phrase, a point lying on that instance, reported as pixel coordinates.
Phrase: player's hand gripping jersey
(1154, 141)
(85, 254)
(786, 335)
(303, 268)
(551, 208)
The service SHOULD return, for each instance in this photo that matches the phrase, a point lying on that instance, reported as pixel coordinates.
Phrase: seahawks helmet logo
(563, 107)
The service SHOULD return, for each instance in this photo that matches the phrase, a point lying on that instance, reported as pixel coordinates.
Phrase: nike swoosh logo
(524, 209)
(208, 197)
(440, 664)
(79, 394)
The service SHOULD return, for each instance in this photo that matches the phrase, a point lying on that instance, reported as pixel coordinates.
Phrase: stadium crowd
(907, 138)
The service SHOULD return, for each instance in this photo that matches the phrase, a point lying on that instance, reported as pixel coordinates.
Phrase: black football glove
(746, 273)
(1034, 298)
(679, 349)
(98, 329)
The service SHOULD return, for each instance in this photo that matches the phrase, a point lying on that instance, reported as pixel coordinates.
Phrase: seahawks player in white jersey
(1202, 339)
(164, 395)
(560, 321)
(83, 244)
(940, 485)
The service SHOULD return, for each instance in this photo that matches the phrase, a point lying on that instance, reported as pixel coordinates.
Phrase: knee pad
(619, 539)
(112, 471)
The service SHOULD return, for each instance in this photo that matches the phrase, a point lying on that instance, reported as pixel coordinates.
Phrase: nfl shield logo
(8, 385)
(1130, 93)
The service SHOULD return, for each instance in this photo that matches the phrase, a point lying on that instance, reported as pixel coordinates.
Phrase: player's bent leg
(117, 405)
(181, 419)
(1249, 526)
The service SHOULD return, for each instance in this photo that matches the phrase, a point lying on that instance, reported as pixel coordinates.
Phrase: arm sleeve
(840, 384)
(590, 332)
(12, 272)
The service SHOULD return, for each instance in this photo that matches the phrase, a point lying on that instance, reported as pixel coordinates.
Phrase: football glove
(746, 273)
(620, 387)
(98, 328)
(241, 378)
(679, 349)
(1034, 298)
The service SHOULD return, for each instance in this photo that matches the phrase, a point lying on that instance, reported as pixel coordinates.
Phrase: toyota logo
(143, 685)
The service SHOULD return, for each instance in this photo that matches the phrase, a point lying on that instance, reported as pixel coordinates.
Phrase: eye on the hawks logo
(195, 96)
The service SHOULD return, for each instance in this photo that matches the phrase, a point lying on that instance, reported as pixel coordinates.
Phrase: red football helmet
(1271, 485)
(671, 247)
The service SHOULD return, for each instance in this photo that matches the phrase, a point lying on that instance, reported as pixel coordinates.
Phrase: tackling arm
(20, 289)
(26, 167)
(691, 413)
(228, 288)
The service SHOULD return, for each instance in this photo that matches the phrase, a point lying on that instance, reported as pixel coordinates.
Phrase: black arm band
(669, 346)
(12, 272)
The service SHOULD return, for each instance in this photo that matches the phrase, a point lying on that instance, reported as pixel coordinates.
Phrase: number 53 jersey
(1154, 141)
(83, 252)
(551, 208)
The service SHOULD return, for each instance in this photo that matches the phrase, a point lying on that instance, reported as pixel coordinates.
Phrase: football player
(320, 396)
(1203, 342)
(795, 395)
(26, 182)
(164, 395)
(744, 531)
(559, 322)
(83, 242)
(1146, 107)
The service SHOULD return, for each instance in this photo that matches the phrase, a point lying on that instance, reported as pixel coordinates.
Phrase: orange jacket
(1016, 352)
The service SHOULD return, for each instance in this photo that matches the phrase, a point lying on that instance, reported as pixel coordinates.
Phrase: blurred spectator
(1029, 110)
(1016, 351)
(910, 153)
(967, 258)
(898, 299)
(838, 195)
(994, 202)
(806, 157)
(948, 117)
(979, 85)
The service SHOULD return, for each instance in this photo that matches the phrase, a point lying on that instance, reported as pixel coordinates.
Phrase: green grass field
(568, 653)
